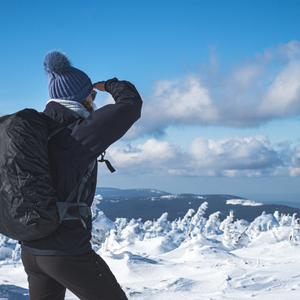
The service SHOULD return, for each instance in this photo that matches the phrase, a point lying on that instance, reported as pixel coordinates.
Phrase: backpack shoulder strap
(79, 186)
(54, 132)
(80, 210)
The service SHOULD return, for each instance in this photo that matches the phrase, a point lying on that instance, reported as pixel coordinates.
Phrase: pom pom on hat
(65, 81)
(56, 63)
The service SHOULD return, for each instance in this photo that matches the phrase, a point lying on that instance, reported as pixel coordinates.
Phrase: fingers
(99, 86)
(99, 82)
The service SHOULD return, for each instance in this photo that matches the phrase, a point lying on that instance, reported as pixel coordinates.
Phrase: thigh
(41, 286)
(87, 276)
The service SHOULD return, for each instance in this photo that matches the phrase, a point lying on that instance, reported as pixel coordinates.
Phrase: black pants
(87, 276)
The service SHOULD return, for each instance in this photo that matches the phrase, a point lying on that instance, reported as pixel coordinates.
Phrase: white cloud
(233, 153)
(177, 100)
(294, 172)
(283, 95)
(150, 157)
(230, 156)
(251, 92)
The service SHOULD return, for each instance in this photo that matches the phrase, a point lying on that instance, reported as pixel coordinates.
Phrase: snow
(178, 196)
(169, 197)
(192, 257)
(97, 199)
(243, 202)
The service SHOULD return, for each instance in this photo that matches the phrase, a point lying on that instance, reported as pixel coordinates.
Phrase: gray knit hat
(65, 81)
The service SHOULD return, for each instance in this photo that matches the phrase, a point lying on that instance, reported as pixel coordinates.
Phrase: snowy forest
(193, 256)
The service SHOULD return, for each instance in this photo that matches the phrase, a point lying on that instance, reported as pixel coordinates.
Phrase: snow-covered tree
(133, 230)
(198, 221)
(295, 229)
(277, 216)
(228, 228)
(213, 223)
(285, 220)
(184, 224)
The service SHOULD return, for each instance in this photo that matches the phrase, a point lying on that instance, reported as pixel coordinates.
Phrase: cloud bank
(230, 156)
(247, 94)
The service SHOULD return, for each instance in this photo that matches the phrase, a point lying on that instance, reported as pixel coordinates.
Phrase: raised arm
(109, 123)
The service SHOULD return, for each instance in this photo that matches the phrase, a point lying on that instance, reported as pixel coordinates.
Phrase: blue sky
(220, 82)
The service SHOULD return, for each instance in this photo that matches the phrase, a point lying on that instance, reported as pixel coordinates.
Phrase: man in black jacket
(65, 258)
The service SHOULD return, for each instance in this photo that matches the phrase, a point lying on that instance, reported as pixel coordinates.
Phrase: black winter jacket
(70, 153)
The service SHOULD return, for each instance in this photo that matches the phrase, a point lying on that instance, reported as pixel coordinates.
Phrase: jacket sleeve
(109, 123)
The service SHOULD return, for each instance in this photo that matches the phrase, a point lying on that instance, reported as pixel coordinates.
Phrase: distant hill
(132, 204)
(112, 192)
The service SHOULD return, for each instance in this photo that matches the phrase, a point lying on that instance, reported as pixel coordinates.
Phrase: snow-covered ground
(243, 202)
(190, 258)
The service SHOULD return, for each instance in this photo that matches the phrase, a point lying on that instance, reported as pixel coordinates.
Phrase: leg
(41, 286)
(87, 276)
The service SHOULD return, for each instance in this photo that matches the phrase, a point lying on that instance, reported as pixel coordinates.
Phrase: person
(65, 259)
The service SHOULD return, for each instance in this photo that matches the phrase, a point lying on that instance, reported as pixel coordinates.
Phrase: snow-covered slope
(193, 257)
(243, 202)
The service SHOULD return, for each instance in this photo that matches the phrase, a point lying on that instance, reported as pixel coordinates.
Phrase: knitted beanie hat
(65, 81)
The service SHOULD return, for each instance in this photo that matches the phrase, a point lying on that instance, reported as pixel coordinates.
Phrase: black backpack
(29, 209)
